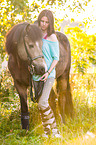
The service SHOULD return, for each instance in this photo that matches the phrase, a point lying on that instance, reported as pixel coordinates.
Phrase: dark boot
(25, 120)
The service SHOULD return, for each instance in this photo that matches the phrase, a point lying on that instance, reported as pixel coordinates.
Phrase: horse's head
(28, 41)
(31, 44)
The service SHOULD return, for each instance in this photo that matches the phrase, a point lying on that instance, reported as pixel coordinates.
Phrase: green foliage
(13, 12)
(83, 91)
(6, 84)
(83, 49)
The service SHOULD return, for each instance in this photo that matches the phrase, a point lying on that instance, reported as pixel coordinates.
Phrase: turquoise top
(50, 51)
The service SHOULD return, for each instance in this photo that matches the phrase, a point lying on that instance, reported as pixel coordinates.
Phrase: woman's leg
(43, 101)
(47, 116)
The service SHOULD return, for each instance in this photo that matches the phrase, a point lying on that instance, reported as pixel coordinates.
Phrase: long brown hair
(50, 17)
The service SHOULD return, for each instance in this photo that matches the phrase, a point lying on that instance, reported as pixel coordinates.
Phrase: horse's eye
(31, 46)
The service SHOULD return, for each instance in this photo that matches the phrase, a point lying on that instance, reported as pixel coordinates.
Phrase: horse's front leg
(22, 91)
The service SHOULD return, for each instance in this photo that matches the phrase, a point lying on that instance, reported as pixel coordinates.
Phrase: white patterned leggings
(47, 116)
(43, 101)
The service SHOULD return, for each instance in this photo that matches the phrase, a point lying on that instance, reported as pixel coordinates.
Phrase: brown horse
(24, 46)
(63, 94)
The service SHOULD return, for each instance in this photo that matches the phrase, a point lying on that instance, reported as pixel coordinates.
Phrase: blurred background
(77, 20)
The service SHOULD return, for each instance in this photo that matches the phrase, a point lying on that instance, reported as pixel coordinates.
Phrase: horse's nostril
(42, 70)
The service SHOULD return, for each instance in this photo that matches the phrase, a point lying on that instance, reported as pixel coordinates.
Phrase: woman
(50, 51)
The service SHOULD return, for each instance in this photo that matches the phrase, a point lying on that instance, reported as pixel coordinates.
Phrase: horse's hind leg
(69, 109)
(62, 86)
(52, 102)
(22, 91)
(65, 99)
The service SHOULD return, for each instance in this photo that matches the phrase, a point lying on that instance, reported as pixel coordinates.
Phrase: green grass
(74, 132)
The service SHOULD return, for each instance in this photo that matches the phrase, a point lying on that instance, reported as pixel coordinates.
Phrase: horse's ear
(27, 29)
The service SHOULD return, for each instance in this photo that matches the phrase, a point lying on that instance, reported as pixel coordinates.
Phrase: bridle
(31, 66)
(28, 55)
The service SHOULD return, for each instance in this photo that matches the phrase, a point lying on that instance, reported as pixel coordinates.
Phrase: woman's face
(44, 23)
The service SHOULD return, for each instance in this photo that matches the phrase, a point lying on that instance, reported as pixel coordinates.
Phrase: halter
(31, 66)
(28, 55)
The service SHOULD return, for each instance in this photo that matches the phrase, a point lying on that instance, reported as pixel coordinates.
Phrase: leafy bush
(83, 49)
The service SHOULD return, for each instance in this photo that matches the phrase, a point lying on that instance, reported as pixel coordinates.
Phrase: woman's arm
(45, 76)
(52, 66)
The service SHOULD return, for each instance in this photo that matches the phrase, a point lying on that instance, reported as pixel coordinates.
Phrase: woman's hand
(44, 77)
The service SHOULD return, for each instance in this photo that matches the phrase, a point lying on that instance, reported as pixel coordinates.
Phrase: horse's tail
(69, 109)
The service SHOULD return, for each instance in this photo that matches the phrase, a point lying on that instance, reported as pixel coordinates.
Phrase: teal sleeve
(54, 50)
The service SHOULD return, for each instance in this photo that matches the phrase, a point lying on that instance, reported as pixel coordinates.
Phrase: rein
(31, 66)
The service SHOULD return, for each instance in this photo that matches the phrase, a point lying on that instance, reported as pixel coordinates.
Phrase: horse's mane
(16, 32)
(62, 39)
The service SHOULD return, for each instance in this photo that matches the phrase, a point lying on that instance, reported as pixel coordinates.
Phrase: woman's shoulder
(52, 37)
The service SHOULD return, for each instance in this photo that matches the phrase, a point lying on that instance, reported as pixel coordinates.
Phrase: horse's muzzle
(39, 70)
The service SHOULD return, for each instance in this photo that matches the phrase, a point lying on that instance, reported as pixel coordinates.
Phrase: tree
(83, 49)
(8, 14)
(13, 12)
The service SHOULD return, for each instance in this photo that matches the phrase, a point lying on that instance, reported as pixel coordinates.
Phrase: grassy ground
(79, 131)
